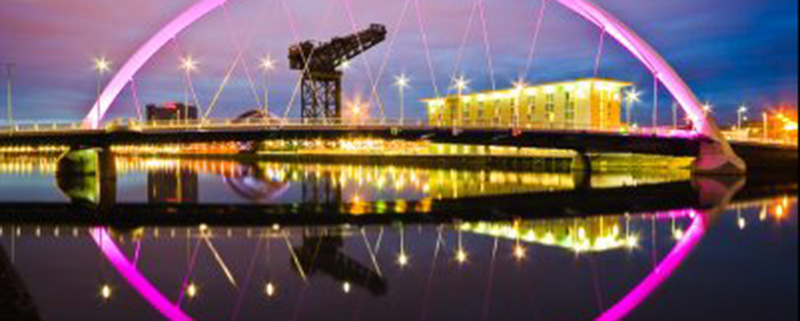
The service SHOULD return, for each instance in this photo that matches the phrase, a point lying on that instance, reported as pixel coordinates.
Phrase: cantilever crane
(322, 80)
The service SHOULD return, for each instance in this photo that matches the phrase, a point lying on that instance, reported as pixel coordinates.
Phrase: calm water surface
(735, 262)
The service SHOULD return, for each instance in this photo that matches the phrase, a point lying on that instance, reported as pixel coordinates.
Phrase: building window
(550, 107)
(569, 110)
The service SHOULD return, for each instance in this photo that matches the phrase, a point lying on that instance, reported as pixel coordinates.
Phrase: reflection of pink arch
(591, 12)
(134, 278)
(662, 272)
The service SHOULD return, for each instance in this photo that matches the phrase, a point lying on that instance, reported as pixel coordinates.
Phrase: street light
(402, 82)
(631, 97)
(460, 83)
(267, 65)
(101, 66)
(741, 116)
(188, 65)
(708, 109)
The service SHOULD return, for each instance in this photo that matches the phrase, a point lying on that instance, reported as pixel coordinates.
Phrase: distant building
(583, 103)
(171, 111)
(179, 186)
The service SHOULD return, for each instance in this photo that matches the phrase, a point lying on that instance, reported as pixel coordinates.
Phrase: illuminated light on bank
(520, 252)
(106, 292)
(270, 290)
(462, 256)
(192, 291)
(403, 259)
(347, 287)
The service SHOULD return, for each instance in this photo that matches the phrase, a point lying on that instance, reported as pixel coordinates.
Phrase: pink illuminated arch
(143, 55)
(585, 8)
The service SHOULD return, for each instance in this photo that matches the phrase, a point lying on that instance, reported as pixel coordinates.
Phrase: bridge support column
(718, 159)
(88, 176)
(582, 162)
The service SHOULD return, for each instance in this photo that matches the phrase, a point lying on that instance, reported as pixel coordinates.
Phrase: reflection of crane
(323, 254)
(319, 62)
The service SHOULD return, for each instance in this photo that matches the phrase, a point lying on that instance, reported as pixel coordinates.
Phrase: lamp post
(633, 96)
(267, 66)
(402, 82)
(101, 66)
(188, 65)
(460, 84)
(9, 79)
(741, 116)
(708, 109)
(675, 115)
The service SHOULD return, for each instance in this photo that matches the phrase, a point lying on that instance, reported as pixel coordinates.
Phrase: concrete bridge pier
(717, 158)
(88, 176)
(582, 162)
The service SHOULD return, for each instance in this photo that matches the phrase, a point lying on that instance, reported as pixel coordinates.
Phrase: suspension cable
(487, 44)
(296, 35)
(535, 40)
(599, 55)
(374, 92)
(392, 41)
(240, 50)
(464, 39)
(428, 57)
(136, 101)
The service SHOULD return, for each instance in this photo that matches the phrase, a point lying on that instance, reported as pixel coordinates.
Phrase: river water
(390, 243)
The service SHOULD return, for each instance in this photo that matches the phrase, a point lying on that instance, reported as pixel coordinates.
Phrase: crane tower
(321, 89)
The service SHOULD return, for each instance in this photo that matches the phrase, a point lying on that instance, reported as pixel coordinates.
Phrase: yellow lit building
(590, 103)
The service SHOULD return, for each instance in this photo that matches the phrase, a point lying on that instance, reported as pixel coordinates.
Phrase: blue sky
(730, 51)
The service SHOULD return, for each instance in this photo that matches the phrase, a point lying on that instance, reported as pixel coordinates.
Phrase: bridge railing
(135, 125)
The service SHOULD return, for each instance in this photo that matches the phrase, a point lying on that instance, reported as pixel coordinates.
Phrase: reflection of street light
(267, 65)
(631, 97)
(402, 82)
(270, 289)
(101, 66)
(106, 292)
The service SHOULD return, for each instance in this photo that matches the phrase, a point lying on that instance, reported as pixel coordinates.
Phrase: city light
(708, 109)
(106, 292)
(461, 83)
(188, 64)
(192, 291)
(347, 287)
(402, 81)
(631, 97)
(102, 65)
(520, 252)
(461, 256)
(267, 64)
(270, 290)
(403, 259)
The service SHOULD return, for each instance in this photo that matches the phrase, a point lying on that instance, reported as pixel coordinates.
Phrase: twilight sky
(730, 51)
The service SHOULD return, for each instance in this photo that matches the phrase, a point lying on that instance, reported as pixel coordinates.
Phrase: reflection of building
(172, 186)
(171, 111)
(595, 103)
(580, 235)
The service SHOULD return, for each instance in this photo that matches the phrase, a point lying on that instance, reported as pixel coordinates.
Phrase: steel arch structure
(716, 159)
